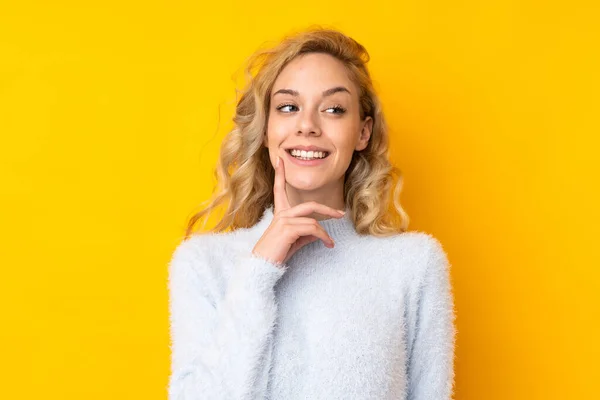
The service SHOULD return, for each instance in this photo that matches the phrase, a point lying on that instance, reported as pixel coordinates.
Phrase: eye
(338, 109)
(282, 106)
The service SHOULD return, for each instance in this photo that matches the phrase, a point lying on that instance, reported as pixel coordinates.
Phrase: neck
(341, 229)
(331, 196)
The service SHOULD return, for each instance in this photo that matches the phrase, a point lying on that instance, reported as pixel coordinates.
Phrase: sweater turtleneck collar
(340, 229)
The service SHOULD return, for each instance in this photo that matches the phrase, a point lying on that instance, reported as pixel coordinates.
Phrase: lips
(289, 151)
(307, 148)
(315, 162)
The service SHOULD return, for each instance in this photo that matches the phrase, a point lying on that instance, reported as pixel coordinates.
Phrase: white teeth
(308, 154)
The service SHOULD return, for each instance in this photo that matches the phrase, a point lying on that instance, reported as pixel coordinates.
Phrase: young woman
(309, 287)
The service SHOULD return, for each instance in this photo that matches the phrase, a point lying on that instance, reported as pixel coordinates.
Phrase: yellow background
(109, 121)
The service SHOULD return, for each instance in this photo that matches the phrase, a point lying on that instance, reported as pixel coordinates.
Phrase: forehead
(314, 72)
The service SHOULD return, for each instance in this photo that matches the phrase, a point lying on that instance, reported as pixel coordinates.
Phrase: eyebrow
(325, 93)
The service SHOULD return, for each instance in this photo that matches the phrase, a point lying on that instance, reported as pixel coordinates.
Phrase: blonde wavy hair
(245, 175)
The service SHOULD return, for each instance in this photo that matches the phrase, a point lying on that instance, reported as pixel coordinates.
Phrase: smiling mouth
(326, 154)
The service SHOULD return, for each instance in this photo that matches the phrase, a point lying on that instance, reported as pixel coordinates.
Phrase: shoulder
(422, 243)
(205, 255)
(413, 244)
(433, 266)
(416, 253)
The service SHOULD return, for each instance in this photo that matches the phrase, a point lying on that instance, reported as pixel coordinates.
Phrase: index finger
(279, 193)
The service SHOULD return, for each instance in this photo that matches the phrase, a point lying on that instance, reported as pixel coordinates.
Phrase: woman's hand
(290, 228)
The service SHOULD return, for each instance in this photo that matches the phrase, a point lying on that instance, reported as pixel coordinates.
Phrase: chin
(306, 185)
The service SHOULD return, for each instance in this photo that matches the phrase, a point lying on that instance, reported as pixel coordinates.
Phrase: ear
(365, 134)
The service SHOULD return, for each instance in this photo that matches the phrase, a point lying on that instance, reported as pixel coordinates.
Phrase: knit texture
(372, 318)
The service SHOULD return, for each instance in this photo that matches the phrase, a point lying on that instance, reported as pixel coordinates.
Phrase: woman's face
(314, 103)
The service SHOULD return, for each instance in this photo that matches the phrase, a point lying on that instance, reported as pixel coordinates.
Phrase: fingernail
(342, 212)
(277, 162)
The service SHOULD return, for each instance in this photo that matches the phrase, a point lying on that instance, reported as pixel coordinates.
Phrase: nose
(308, 124)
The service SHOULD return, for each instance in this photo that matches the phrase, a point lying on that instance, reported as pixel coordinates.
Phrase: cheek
(277, 130)
(271, 132)
(345, 139)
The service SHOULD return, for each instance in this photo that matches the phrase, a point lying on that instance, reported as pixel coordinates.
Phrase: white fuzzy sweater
(372, 318)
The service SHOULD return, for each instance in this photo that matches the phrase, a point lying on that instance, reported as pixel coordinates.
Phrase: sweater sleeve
(220, 332)
(431, 357)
